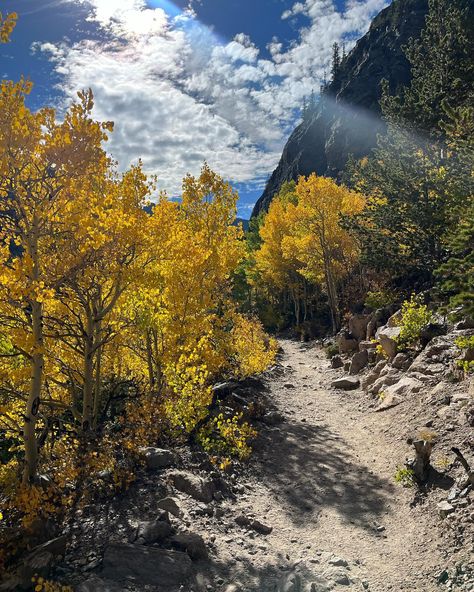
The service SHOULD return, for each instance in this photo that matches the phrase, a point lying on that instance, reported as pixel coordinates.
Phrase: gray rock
(153, 531)
(337, 575)
(337, 362)
(197, 487)
(346, 343)
(338, 562)
(347, 383)
(192, 543)
(445, 509)
(146, 565)
(168, 504)
(158, 458)
(388, 402)
(359, 362)
(252, 524)
(367, 345)
(406, 386)
(358, 325)
(273, 418)
(401, 362)
(387, 336)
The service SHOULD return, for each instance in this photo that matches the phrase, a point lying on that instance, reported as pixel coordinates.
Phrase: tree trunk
(421, 465)
(87, 401)
(149, 359)
(98, 376)
(34, 398)
(37, 366)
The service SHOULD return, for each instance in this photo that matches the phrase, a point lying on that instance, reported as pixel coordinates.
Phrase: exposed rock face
(347, 121)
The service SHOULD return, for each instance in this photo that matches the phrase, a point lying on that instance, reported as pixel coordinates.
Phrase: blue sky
(185, 81)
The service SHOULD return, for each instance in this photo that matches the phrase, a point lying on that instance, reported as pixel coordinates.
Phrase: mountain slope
(346, 120)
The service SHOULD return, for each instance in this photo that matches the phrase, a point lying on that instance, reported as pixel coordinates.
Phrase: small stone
(347, 383)
(338, 561)
(444, 509)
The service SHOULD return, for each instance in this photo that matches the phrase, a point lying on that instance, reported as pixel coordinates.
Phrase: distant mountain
(346, 121)
(245, 223)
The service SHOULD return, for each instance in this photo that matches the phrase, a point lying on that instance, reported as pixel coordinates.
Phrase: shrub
(414, 317)
(331, 351)
(466, 345)
(405, 476)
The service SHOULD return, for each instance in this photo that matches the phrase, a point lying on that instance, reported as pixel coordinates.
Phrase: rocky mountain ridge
(347, 119)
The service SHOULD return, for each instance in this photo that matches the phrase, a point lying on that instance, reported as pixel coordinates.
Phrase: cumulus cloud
(179, 95)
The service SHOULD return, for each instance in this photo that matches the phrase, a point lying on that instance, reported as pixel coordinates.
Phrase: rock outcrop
(346, 122)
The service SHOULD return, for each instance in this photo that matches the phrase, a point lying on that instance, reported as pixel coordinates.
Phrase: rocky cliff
(347, 119)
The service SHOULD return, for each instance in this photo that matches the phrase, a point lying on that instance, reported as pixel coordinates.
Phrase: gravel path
(323, 479)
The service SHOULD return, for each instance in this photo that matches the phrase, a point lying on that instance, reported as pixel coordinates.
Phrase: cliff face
(346, 121)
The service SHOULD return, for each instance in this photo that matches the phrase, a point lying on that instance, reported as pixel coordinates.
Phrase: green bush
(414, 318)
(331, 351)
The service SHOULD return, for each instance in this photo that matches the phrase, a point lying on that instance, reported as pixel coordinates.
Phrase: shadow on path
(309, 468)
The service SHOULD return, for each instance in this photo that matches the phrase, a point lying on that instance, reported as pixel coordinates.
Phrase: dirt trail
(324, 480)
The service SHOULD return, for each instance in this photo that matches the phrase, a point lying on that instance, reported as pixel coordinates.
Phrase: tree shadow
(309, 468)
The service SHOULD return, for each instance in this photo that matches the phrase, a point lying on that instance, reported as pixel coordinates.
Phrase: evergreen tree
(413, 202)
(336, 60)
(442, 67)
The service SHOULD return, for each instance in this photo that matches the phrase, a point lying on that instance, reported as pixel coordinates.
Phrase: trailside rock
(192, 543)
(154, 530)
(346, 343)
(444, 509)
(359, 362)
(347, 383)
(401, 362)
(358, 325)
(168, 504)
(197, 487)
(337, 362)
(252, 524)
(387, 336)
(158, 458)
(146, 565)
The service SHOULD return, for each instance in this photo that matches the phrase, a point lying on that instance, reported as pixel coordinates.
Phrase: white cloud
(179, 95)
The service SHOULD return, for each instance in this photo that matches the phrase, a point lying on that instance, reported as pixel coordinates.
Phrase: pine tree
(336, 60)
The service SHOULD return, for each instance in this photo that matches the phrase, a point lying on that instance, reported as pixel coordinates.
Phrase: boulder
(168, 504)
(346, 343)
(367, 345)
(388, 401)
(146, 565)
(407, 385)
(359, 362)
(154, 531)
(337, 362)
(387, 337)
(192, 543)
(197, 487)
(358, 325)
(347, 383)
(401, 362)
(158, 458)
(39, 561)
(385, 381)
(394, 320)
